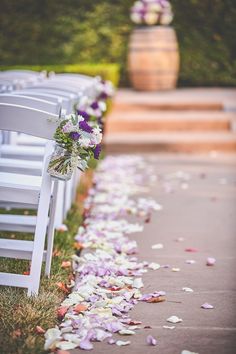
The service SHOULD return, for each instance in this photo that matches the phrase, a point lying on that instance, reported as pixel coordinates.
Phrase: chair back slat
(31, 102)
(28, 120)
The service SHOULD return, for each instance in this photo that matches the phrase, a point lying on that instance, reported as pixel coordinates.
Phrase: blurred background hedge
(52, 32)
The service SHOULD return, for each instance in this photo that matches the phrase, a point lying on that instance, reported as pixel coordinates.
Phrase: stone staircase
(186, 121)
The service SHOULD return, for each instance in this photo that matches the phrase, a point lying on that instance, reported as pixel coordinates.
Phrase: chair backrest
(58, 86)
(31, 102)
(23, 72)
(76, 76)
(28, 120)
(52, 97)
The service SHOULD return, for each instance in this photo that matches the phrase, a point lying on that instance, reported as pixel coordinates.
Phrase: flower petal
(174, 319)
(121, 343)
(207, 306)
(151, 340)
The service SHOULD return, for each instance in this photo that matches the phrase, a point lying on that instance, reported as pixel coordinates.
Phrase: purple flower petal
(86, 344)
(74, 135)
(94, 105)
(84, 114)
(151, 340)
(85, 127)
(97, 151)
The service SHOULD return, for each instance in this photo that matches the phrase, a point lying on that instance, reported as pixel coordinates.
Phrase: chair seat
(24, 139)
(34, 153)
(19, 249)
(18, 223)
(9, 279)
(19, 188)
(21, 166)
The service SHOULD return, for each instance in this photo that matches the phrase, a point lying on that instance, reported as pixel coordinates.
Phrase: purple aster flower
(95, 105)
(97, 151)
(84, 114)
(103, 96)
(85, 127)
(74, 135)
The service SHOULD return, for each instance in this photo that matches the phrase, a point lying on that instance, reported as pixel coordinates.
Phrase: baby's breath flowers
(151, 12)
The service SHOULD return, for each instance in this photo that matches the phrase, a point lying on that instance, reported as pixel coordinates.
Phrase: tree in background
(74, 31)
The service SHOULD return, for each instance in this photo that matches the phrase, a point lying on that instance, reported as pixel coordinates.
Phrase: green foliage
(84, 31)
(206, 34)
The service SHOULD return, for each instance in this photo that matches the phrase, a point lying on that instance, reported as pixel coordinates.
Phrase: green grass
(20, 314)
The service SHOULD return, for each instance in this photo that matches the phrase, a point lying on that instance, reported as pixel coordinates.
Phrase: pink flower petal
(207, 306)
(210, 261)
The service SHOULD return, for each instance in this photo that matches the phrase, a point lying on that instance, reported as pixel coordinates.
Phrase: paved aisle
(202, 210)
(205, 216)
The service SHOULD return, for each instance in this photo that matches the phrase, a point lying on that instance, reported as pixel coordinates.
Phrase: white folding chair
(28, 159)
(29, 190)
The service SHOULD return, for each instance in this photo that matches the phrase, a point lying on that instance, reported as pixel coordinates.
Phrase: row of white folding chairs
(25, 249)
(42, 92)
(19, 153)
(18, 79)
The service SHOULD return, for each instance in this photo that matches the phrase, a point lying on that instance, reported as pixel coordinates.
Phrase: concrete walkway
(198, 195)
(203, 213)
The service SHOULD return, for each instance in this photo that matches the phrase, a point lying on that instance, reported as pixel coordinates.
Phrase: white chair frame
(41, 124)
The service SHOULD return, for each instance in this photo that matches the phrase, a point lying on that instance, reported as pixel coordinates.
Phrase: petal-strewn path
(196, 226)
(198, 195)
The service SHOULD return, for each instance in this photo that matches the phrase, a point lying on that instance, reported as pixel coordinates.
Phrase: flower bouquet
(93, 109)
(77, 140)
(151, 12)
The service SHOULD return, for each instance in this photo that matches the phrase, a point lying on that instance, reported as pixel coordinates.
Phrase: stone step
(212, 99)
(168, 106)
(170, 142)
(169, 121)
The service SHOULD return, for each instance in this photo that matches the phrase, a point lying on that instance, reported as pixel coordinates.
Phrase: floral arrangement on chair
(151, 12)
(79, 135)
(93, 109)
(77, 140)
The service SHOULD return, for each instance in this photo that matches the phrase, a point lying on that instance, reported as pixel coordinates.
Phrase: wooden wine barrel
(153, 60)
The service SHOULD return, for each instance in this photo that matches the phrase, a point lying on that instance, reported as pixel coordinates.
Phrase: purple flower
(74, 135)
(97, 151)
(103, 96)
(95, 105)
(85, 127)
(84, 114)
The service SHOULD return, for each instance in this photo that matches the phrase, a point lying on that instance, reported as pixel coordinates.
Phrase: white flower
(102, 106)
(136, 17)
(151, 18)
(166, 19)
(96, 139)
(84, 141)
(138, 5)
(83, 102)
(154, 7)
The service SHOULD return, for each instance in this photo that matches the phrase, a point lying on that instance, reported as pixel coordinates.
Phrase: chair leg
(59, 207)
(51, 227)
(40, 235)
